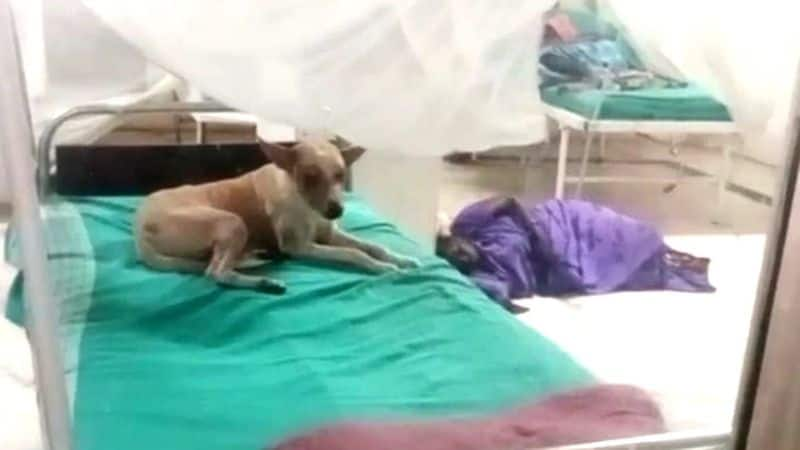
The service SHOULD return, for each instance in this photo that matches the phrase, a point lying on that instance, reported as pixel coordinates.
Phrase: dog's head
(318, 168)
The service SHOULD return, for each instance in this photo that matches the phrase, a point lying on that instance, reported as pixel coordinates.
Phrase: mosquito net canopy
(745, 52)
(419, 77)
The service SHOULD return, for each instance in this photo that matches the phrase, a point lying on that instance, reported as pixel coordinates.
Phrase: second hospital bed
(684, 109)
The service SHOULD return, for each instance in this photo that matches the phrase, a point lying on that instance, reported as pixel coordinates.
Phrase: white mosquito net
(746, 52)
(418, 77)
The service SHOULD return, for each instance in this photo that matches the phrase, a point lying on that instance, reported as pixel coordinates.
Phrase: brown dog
(283, 208)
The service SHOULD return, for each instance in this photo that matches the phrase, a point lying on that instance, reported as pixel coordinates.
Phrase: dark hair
(459, 252)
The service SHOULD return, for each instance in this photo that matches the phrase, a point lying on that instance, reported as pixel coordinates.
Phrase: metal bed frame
(569, 121)
(45, 169)
(43, 153)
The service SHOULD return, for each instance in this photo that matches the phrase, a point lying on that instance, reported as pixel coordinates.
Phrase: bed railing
(44, 168)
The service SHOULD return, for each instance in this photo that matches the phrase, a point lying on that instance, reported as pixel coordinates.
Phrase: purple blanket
(566, 247)
(584, 415)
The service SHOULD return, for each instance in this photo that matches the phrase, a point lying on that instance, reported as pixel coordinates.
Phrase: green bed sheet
(690, 103)
(171, 361)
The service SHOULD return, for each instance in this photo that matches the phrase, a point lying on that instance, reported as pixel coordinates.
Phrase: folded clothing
(589, 67)
(580, 47)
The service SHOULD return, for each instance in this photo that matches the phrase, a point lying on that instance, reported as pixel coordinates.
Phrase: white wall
(5, 196)
(72, 35)
(403, 188)
(56, 40)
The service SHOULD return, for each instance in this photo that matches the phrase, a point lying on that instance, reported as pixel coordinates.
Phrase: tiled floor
(688, 209)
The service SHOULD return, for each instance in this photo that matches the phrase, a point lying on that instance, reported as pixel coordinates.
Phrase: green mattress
(170, 361)
(690, 103)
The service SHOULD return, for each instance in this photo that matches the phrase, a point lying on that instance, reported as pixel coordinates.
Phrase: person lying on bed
(514, 249)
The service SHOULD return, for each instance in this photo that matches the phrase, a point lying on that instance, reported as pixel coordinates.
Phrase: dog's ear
(340, 142)
(352, 153)
(282, 155)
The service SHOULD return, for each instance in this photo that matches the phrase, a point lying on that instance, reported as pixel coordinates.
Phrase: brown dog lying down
(590, 414)
(283, 208)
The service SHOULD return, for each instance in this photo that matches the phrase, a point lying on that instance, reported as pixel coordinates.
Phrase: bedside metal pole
(42, 313)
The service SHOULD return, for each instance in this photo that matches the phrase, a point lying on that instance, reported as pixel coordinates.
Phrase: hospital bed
(572, 114)
(180, 362)
(672, 111)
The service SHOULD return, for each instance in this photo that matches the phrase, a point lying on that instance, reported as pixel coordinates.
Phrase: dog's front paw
(405, 262)
(272, 286)
(380, 267)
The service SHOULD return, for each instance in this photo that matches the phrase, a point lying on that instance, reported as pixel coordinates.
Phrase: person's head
(459, 252)
(318, 168)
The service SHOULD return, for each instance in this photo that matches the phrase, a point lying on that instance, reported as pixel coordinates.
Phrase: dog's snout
(334, 210)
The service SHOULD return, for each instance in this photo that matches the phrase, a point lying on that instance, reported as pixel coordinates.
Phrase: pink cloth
(563, 27)
(584, 415)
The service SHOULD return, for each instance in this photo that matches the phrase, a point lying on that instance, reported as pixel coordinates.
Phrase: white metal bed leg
(721, 213)
(587, 148)
(561, 170)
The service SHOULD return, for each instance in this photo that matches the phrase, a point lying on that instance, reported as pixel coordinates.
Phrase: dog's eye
(338, 177)
(311, 179)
